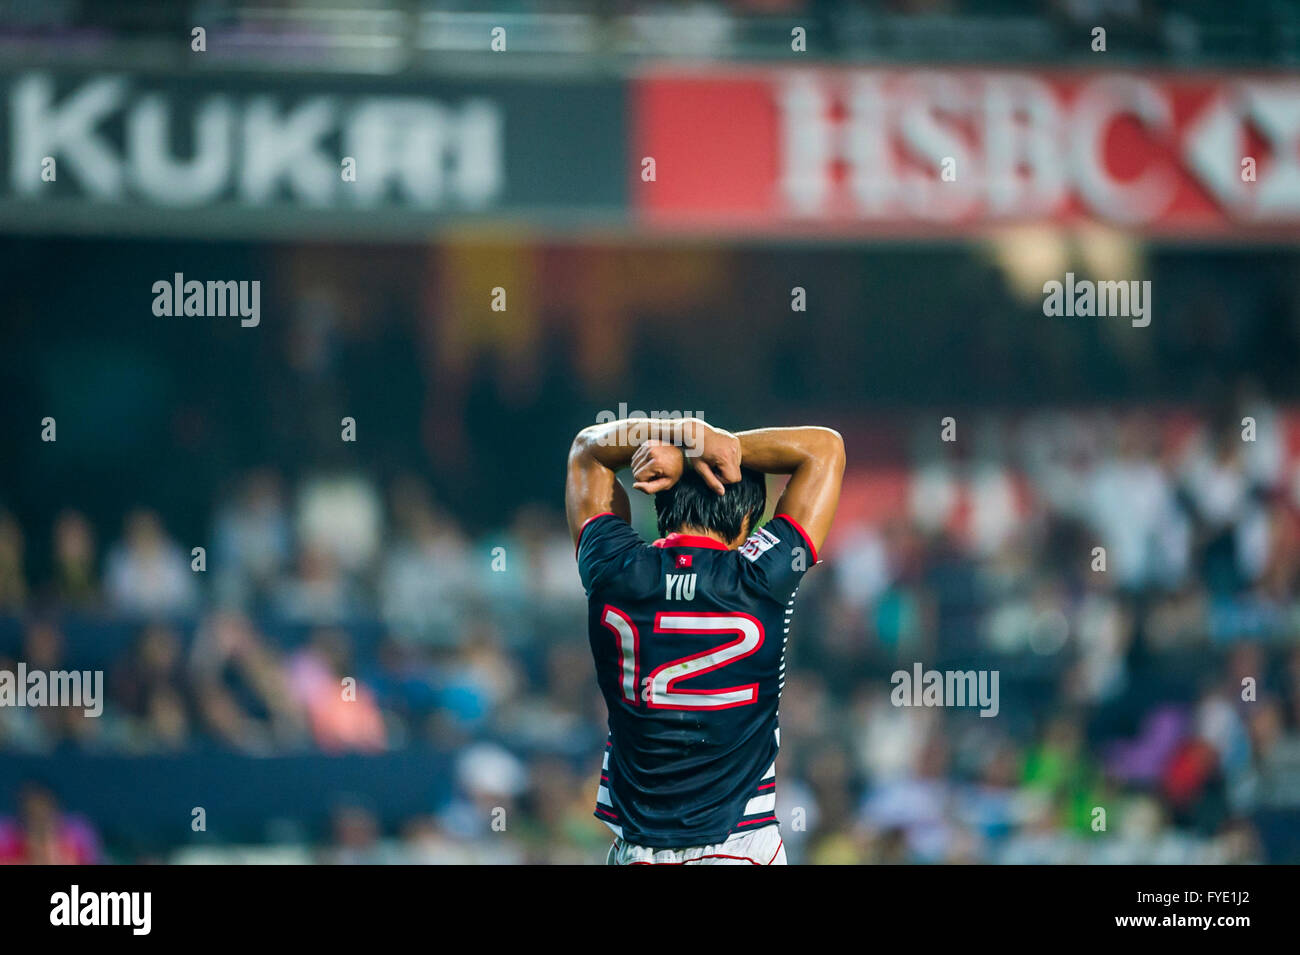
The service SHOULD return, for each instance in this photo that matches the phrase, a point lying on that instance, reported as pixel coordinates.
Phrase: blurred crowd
(1132, 577)
(931, 29)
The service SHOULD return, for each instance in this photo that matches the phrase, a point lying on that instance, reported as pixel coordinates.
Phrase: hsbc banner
(241, 154)
(930, 152)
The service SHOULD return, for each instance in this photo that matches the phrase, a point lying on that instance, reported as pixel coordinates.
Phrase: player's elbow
(830, 448)
(583, 442)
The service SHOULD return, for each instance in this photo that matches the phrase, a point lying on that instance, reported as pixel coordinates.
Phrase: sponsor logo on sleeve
(761, 541)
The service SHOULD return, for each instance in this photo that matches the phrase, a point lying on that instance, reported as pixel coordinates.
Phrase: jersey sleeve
(776, 556)
(606, 546)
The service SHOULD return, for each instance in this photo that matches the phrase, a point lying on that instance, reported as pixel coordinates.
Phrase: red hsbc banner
(930, 151)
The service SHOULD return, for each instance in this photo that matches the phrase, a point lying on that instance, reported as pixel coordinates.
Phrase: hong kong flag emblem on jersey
(683, 560)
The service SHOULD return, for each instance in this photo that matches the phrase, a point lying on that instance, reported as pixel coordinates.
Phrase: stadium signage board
(778, 152)
(930, 151)
(238, 153)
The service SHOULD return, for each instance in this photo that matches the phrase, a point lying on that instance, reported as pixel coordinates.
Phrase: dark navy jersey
(689, 642)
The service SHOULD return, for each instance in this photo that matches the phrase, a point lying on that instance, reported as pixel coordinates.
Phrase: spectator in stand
(76, 583)
(343, 712)
(43, 728)
(13, 581)
(1132, 507)
(357, 838)
(480, 678)
(153, 691)
(427, 575)
(42, 834)
(252, 541)
(147, 572)
(240, 689)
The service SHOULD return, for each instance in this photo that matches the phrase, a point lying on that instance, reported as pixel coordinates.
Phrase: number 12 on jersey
(660, 688)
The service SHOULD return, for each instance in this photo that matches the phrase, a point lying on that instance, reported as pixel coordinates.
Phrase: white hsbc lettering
(679, 586)
(1022, 146)
(425, 152)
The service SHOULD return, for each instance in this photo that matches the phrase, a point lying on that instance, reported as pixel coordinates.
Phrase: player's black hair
(692, 503)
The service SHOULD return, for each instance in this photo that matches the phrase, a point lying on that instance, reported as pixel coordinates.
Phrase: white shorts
(760, 847)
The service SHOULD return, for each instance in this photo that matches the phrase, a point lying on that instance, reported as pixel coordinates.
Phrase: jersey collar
(690, 540)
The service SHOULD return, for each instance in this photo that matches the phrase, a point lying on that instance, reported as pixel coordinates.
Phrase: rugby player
(689, 632)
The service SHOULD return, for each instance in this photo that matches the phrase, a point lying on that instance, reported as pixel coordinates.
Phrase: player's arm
(814, 459)
(600, 451)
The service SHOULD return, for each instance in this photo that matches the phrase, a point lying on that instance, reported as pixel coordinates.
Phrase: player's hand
(716, 456)
(656, 466)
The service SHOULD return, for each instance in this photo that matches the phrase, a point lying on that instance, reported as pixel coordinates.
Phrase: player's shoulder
(600, 526)
(775, 556)
(611, 553)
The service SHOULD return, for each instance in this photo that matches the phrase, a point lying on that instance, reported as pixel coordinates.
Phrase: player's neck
(705, 532)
